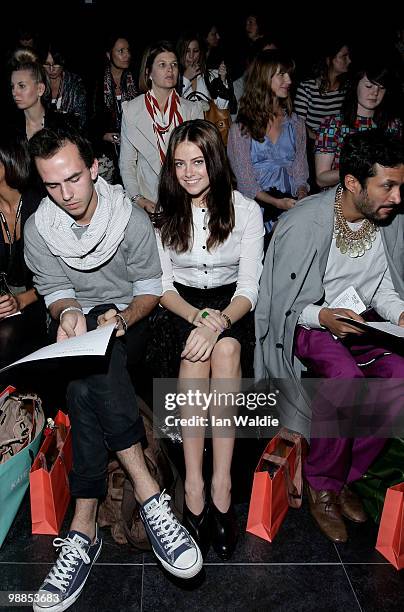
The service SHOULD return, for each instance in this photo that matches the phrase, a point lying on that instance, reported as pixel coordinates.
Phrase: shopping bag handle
(295, 485)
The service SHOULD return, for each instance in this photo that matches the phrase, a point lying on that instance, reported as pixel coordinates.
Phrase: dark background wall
(303, 29)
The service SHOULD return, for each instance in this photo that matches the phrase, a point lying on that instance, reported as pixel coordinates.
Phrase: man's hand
(200, 344)
(72, 323)
(110, 317)
(8, 305)
(401, 320)
(328, 319)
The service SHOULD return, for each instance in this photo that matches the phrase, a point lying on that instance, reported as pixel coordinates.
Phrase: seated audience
(147, 122)
(367, 105)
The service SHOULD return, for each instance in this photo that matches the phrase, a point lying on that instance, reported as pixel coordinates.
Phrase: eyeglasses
(52, 65)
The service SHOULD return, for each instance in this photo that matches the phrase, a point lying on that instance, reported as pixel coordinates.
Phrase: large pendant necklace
(353, 243)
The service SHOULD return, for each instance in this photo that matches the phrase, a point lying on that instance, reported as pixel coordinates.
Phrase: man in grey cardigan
(94, 258)
(348, 238)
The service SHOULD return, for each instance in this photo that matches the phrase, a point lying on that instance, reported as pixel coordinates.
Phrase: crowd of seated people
(119, 203)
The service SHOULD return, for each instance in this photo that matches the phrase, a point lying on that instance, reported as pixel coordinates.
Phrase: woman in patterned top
(116, 86)
(68, 94)
(367, 105)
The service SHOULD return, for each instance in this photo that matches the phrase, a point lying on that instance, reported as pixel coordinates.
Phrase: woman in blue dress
(267, 144)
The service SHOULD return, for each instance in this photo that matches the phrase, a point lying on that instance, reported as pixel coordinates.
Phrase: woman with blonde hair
(30, 90)
(267, 144)
(147, 122)
(32, 96)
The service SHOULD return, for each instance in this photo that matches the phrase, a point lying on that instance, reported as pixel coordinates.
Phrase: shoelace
(162, 520)
(60, 575)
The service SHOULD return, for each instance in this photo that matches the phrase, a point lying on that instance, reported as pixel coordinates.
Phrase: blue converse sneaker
(66, 580)
(170, 541)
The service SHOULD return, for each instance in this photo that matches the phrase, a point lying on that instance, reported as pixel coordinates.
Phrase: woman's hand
(285, 203)
(200, 344)
(192, 71)
(213, 321)
(8, 305)
(222, 71)
(301, 193)
(112, 137)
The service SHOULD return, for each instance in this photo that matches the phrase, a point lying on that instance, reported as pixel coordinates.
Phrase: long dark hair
(257, 101)
(379, 75)
(322, 68)
(15, 157)
(174, 205)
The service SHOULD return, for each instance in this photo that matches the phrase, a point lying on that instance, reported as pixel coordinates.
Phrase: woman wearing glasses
(68, 94)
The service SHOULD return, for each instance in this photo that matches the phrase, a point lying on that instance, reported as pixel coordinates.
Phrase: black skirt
(169, 332)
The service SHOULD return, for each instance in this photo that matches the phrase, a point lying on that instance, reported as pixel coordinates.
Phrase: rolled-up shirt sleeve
(166, 266)
(386, 301)
(150, 286)
(143, 263)
(309, 317)
(251, 254)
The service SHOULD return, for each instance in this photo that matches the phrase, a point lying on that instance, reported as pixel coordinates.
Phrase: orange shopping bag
(277, 485)
(390, 539)
(49, 482)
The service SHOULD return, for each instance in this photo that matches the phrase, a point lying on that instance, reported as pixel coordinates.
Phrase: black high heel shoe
(198, 527)
(223, 531)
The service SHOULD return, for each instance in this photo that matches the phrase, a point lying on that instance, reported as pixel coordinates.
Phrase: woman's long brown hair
(174, 207)
(257, 101)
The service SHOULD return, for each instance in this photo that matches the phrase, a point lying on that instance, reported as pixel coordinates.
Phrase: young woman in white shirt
(210, 242)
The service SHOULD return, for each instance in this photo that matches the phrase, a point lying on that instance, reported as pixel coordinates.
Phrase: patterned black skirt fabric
(170, 332)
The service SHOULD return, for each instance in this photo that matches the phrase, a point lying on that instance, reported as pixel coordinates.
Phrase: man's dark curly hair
(363, 150)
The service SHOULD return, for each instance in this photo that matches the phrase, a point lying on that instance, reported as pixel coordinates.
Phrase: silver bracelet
(124, 323)
(135, 199)
(70, 308)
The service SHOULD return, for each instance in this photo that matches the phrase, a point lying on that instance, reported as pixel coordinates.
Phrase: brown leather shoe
(351, 506)
(325, 511)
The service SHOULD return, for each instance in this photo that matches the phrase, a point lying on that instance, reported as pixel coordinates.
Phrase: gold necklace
(354, 243)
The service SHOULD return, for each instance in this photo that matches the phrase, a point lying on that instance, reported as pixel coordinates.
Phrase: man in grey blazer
(348, 238)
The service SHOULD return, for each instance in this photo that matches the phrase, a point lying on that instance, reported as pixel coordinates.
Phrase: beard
(372, 211)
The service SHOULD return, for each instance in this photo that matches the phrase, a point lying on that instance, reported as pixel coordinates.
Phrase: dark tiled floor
(299, 571)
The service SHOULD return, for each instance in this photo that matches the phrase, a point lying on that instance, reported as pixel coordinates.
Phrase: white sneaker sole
(189, 572)
(66, 603)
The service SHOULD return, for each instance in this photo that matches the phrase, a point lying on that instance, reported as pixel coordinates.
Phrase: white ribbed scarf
(101, 239)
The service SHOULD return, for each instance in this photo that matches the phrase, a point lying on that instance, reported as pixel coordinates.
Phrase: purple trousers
(334, 461)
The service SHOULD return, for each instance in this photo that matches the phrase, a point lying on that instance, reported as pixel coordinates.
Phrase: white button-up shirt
(238, 259)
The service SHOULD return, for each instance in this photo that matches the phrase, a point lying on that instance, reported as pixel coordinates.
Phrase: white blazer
(139, 160)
